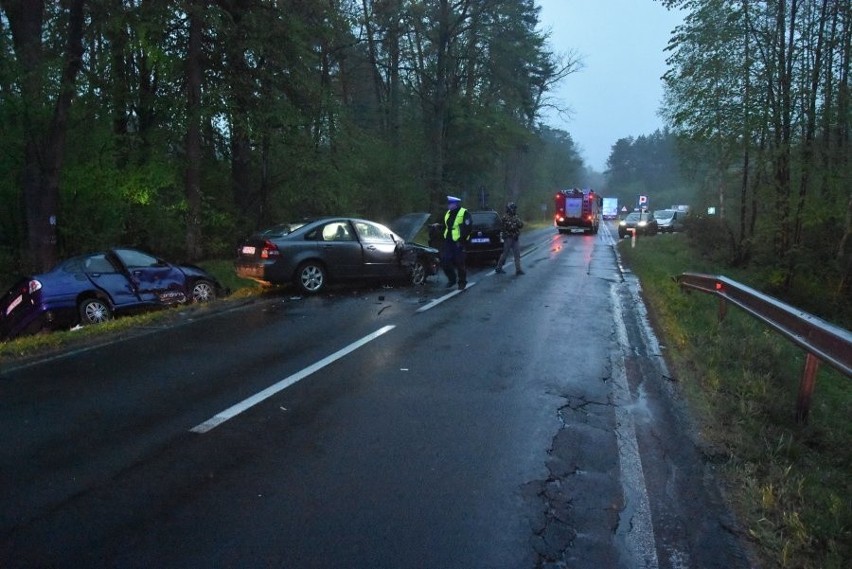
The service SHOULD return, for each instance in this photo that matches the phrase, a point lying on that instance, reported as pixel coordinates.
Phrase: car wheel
(418, 273)
(94, 311)
(203, 291)
(310, 277)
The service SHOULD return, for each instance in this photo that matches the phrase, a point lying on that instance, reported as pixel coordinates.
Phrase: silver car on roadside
(669, 220)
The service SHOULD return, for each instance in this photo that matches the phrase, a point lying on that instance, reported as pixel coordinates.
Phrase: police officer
(456, 230)
(512, 225)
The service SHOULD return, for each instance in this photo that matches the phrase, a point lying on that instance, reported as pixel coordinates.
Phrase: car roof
(406, 226)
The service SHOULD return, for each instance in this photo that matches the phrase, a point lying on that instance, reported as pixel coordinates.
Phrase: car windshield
(632, 217)
(664, 214)
(484, 218)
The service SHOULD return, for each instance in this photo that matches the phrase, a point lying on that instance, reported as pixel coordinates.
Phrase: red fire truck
(577, 209)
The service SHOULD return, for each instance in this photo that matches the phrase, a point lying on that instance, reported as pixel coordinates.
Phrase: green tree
(763, 87)
(45, 88)
(648, 165)
(190, 126)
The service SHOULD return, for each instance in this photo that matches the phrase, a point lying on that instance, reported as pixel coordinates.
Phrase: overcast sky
(618, 91)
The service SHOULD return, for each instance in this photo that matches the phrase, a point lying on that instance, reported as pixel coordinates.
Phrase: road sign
(643, 200)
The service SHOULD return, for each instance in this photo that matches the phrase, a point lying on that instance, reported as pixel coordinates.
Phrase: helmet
(511, 208)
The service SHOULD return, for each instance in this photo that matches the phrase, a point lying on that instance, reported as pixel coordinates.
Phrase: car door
(110, 277)
(155, 280)
(339, 248)
(380, 250)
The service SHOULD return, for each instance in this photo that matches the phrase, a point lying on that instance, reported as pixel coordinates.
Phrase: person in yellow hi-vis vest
(456, 230)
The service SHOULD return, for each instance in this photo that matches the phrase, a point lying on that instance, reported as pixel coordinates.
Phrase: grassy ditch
(790, 484)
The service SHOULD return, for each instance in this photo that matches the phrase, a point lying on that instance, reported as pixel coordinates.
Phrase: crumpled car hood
(408, 225)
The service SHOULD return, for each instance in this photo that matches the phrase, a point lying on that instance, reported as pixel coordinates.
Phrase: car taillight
(33, 286)
(269, 250)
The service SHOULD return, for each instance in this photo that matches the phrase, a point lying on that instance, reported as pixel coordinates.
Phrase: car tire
(94, 311)
(203, 291)
(311, 277)
(418, 273)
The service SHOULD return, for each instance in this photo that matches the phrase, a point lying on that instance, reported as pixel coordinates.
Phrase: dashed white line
(447, 296)
(235, 410)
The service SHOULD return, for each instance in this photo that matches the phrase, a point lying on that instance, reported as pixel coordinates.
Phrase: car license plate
(14, 304)
(248, 250)
(480, 240)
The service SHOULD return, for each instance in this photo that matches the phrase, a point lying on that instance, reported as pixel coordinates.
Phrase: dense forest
(758, 129)
(181, 125)
(758, 95)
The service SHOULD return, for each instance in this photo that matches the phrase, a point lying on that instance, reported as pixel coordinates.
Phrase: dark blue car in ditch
(93, 288)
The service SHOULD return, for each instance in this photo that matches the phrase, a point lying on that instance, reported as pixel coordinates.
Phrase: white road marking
(235, 410)
(447, 296)
(635, 525)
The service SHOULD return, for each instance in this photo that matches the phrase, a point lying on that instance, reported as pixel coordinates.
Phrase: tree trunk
(45, 146)
(439, 105)
(238, 77)
(810, 126)
(193, 132)
(745, 239)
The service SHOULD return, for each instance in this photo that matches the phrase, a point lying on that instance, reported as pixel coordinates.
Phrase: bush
(711, 238)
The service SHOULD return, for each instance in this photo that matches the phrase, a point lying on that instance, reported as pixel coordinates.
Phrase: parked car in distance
(642, 222)
(310, 254)
(669, 220)
(92, 288)
(485, 242)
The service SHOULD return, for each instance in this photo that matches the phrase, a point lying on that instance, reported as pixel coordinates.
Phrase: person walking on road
(512, 226)
(456, 230)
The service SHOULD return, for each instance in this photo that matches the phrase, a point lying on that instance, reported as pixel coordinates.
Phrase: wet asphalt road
(528, 421)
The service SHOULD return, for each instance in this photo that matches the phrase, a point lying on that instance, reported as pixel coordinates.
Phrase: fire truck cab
(577, 209)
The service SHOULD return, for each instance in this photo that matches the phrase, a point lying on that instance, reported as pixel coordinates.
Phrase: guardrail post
(723, 308)
(806, 388)
(823, 342)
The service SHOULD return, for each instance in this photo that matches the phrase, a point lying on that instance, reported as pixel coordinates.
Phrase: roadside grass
(789, 484)
(224, 272)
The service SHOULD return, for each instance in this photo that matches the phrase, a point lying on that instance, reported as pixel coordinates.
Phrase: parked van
(669, 220)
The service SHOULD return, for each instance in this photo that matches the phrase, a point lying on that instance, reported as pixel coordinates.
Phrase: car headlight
(622, 223)
(643, 223)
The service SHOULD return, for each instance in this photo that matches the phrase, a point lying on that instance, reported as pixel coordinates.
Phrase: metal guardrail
(822, 341)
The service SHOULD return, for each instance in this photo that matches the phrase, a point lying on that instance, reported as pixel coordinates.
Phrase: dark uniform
(456, 230)
(512, 226)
